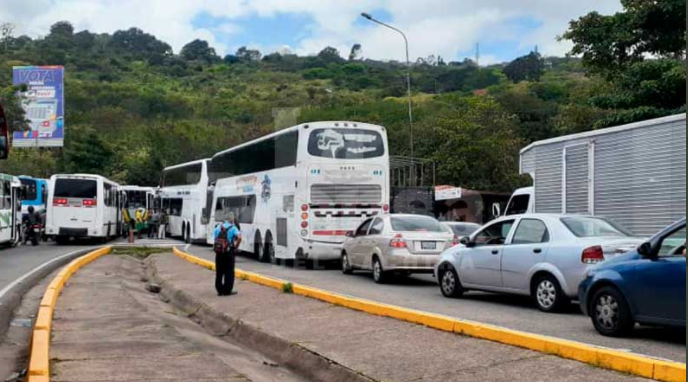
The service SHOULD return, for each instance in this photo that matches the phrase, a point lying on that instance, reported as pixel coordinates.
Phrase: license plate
(428, 245)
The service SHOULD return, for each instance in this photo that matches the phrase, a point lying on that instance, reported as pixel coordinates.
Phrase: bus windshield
(31, 188)
(346, 144)
(136, 199)
(76, 188)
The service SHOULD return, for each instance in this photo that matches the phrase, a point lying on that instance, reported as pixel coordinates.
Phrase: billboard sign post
(43, 103)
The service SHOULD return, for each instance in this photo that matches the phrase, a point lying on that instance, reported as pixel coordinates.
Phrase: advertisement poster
(43, 103)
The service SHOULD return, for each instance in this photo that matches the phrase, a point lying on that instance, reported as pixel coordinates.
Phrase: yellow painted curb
(600, 357)
(39, 358)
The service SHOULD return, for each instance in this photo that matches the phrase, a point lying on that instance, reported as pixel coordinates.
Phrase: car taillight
(398, 242)
(456, 241)
(60, 202)
(593, 255)
(90, 203)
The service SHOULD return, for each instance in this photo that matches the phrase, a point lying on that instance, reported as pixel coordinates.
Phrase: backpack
(221, 242)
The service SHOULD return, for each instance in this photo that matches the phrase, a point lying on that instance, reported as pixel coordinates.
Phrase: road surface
(513, 312)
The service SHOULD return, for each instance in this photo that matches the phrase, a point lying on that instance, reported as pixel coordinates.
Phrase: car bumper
(583, 295)
(320, 251)
(412, 263)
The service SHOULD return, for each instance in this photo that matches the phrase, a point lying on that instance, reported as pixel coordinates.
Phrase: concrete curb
(599, 357)
(39, 359)
(295, 357)
(13, 297)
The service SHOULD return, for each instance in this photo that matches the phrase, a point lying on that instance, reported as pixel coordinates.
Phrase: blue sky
(505, 29)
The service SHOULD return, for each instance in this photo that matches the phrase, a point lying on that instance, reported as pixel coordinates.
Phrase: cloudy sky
(505, 29)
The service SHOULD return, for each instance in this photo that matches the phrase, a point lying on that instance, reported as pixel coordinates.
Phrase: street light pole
(408, 75)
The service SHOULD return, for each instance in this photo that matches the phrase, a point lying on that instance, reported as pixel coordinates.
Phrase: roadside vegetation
(134, 107)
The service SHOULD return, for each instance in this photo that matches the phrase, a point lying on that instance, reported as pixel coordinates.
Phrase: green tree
(199, 50)
(526, 68)
(611, 44)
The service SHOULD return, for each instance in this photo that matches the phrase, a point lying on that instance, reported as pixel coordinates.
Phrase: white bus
(83, 206)
(10, 209)
(184, 196)
(298, 192)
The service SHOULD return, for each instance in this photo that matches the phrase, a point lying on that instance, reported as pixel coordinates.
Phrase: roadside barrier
(39, 358)
(596, 356)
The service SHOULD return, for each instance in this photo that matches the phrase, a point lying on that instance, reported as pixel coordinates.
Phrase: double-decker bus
(298, 192)
(83, 206)
(10, 210)
(35, 194)
(184, 196)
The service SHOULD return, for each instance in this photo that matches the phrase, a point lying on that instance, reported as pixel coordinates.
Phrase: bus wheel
(258, 247)
(188, 235)
(269, 250)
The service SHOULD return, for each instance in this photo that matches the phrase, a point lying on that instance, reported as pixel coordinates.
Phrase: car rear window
(416, 224)
(76, 188)
(594, 227)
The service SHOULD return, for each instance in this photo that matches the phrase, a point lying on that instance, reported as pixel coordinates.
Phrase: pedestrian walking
(163, 225)
(227, 241)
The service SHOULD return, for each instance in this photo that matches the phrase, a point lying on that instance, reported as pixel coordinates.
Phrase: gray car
(538, 255)
(402, 244)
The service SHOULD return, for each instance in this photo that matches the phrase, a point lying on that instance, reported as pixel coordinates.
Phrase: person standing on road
(163, 225)
(153, 224)
(227, 241)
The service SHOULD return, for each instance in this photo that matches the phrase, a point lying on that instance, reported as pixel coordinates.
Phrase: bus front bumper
(321, 251)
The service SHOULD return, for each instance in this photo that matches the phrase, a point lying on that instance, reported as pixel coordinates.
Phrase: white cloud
(439, 27)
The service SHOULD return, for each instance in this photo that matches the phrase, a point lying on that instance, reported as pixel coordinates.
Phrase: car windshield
(594, 227)
(416, 224)
(463, 229)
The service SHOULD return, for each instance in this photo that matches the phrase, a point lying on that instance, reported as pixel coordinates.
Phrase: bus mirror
(496, 210)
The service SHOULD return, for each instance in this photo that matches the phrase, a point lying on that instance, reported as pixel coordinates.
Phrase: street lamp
(408, 73)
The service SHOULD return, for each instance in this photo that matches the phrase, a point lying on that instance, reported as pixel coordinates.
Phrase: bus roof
(83, 176)
(186, 164)
(138, 188)
(315, 125)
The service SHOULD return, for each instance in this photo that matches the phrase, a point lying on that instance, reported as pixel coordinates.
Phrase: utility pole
(408, 75)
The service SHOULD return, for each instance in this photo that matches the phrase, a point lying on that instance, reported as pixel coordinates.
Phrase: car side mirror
(467, 242)
(645, 250)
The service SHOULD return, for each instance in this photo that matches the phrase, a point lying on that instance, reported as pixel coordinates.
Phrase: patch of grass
(141, 253)
(288, 288)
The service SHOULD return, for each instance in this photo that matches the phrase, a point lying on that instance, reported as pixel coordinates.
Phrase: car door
(481, 264)
(661, 293)
(527, 248)
(373, 240)
(356, 247)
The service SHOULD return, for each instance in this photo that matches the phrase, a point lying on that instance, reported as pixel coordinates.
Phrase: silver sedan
(538, 255)
(402, 244)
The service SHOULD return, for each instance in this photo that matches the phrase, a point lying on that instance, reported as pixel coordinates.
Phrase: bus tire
(258, 246)
(184, 231)
(269, 249)
(188, 234)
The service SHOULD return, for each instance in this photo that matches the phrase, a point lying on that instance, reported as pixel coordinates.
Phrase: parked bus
(297, 193)
(10, 210)
(184, 197)
(35, 194)
(83, 206)
(137, 197)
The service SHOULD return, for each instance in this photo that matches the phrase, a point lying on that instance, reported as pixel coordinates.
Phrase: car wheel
(379, 274)
(346, 265)
(610, 313)
(548, 295)
(450, 284)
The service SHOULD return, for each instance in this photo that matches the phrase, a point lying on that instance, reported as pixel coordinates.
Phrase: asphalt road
(422, 293)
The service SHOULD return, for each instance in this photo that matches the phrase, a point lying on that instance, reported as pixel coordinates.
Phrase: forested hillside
(133, 106)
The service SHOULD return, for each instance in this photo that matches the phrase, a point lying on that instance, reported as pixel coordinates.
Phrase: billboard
(43, 103)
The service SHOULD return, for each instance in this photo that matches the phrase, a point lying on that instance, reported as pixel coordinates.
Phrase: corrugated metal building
(633, 174)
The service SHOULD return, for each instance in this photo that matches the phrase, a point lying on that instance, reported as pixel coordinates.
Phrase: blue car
(646, 286)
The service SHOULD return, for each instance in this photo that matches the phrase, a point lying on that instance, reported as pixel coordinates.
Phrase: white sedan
(538, 255)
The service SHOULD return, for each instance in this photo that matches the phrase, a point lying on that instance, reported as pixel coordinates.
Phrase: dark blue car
(647, 286)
